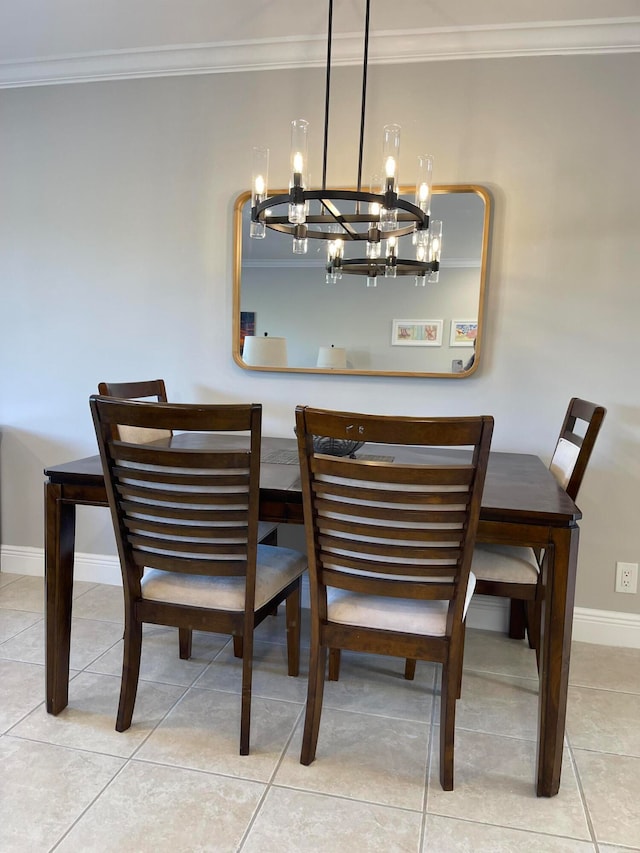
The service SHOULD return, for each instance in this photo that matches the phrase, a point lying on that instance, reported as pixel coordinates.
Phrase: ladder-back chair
(186, 526)
(390, 547)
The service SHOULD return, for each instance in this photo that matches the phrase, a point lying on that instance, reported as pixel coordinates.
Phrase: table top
(518, 486)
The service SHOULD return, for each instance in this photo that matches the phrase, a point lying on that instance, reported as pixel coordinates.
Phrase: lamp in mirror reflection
(371, 220)
(332, 358)
(265, 351)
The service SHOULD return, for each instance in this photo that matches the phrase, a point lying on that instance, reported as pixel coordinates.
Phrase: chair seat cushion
(505, 564)
(408, 616)
(276, 568)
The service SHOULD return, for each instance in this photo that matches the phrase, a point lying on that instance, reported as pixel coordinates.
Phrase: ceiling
(59, 41)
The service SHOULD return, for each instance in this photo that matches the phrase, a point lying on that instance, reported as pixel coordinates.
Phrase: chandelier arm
(327, 88)
(363, 104)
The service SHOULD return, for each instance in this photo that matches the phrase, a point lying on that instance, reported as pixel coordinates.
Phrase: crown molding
(594, 36)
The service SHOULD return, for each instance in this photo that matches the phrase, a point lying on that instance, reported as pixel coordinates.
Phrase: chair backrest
(182, 508)
(393, 528)
(575, 444)
(144, 390)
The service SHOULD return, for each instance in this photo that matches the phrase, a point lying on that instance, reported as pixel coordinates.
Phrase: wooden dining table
(522, 505)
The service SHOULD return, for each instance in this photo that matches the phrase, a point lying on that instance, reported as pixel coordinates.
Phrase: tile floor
(175, 782)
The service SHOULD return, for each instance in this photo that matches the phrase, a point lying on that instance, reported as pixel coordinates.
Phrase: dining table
(522, 504)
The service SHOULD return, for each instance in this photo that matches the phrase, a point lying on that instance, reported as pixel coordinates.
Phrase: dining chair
(515, 573)
(186, 526)
(390, 546)
(154, 389)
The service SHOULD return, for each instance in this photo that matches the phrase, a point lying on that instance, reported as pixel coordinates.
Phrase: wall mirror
(397, 328)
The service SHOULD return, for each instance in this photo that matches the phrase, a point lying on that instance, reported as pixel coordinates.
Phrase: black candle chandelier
(376, 218)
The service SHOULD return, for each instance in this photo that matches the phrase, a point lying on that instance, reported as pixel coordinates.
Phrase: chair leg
(334, 664)
(130, 673)
(451, 679)
(517, 619)
(237, 645)
(185, 641)
(317, 666)
(292, 611)
(410, 669)
(245, 705)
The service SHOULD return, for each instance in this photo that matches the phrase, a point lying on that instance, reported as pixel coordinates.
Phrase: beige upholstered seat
(390, 547)
(186, 526)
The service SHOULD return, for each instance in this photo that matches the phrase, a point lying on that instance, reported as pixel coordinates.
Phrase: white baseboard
(601, 627)
(95, 568)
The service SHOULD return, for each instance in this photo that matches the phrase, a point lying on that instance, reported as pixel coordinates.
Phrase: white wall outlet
(627, 577)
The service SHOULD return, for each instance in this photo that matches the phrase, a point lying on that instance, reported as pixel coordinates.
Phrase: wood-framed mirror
(397, 328)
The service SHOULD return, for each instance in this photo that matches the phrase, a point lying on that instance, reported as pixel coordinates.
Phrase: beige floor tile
(489, 651)
(270, 678)
(497, 704)
(27, 593)
(302, 822)
(88, 722)
(444, 835)
(606, 667)
(613, 848)
(8, 577)
(610, 784)
(364, 757)
(165, 810)
(13, 622)
(44, 789)
(495, 783)
(203, 733)
(273, 628)
(160, 659)
(604, 720)
(22, 690)
(103, 602)
(375, 684)
(89, 640)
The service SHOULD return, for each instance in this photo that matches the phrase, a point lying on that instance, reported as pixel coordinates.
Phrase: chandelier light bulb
(298, 163)
(390, 167)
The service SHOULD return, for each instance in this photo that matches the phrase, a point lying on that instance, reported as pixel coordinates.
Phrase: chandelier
(373, 219)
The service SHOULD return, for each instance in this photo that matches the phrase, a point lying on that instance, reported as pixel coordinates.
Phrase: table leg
(60, 528)
(559, 579)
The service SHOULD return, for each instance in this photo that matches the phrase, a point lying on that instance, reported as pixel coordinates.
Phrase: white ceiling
(57, 41)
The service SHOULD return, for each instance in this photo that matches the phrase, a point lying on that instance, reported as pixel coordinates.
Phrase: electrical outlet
(627, 577)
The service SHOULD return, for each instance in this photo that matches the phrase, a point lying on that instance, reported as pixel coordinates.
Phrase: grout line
(583, 797)
(269, 783)
(89, 806)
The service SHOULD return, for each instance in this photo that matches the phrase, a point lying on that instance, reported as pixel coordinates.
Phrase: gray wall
(116, 252)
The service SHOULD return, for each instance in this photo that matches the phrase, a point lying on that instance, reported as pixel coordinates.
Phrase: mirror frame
(238, 208)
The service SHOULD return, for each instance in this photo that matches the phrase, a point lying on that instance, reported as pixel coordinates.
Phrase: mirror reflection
(403, 326)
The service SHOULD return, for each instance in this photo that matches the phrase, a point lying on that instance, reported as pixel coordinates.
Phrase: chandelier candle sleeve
(259, 182)
(390, 162)
(298, 179)
(423, 183)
